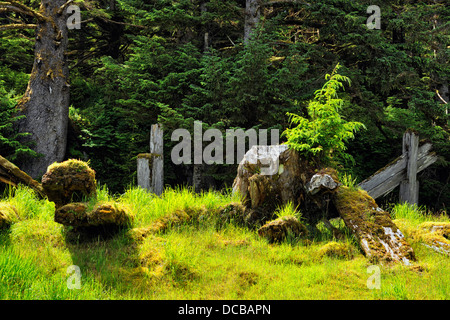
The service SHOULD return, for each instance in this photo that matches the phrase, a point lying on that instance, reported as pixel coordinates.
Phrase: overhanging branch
(15, 5)
(64, 6)
(17, 26)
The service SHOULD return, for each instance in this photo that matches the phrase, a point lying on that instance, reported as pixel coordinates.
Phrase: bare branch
(25, 9)
(270, 3)
(440, 97)
(64, 6)
(9, 8)
(17, 26)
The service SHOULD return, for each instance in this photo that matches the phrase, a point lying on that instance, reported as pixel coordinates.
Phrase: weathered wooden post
(402, 171)
(157, 149)
(144, 172)
(150, 166)
(409, 188)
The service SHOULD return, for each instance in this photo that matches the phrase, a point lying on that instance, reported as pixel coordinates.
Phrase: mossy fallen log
(12, 175)
(378, 236)
(434, 235)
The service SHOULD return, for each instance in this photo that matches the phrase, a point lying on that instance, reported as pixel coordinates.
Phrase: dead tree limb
(12, 175)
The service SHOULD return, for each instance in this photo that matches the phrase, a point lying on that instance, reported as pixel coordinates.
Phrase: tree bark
(46, 100)
(252, 17)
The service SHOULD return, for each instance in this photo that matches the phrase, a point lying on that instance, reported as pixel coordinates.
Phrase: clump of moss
(69, 181)
(435, 235)
(336, 250)
(8, 215)
(103, 213)
(230, 213)
(283, 228)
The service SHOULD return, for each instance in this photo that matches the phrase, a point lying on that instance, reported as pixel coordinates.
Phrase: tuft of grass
(347, 180)
(416, 215)
(288, 210)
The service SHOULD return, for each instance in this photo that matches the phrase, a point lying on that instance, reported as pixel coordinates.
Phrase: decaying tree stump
(318, 194)
(271, 176)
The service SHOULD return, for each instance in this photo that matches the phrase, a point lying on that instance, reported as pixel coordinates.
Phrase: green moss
(336, 250)
(8, 215)
(373, 226)
(70, 166)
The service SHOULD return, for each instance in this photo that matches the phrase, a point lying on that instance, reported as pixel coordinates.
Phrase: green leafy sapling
(323, 135)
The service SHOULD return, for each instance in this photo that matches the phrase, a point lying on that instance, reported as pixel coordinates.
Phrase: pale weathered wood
(197, 177)
(409, 191)
(156, 148)
(378, 236)
(144, 171)
(388, 178)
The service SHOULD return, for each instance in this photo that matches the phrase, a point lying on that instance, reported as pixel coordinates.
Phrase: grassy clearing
(201, 260)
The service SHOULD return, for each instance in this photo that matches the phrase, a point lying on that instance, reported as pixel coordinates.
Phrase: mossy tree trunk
(46, 100)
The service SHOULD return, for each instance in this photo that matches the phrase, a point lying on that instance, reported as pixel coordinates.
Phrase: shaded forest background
(135, 63)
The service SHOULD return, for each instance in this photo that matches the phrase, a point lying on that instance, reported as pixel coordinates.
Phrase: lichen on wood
(378, 236)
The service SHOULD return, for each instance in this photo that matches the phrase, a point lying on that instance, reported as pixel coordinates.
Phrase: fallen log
(12, 175)
(378, 236)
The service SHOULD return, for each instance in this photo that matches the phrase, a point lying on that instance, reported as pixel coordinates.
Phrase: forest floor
(201, 260)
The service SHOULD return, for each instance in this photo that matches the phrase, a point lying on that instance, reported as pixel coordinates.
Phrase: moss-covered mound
(68, 182)
(104, 213)
(336, 250)
(434, 235)
(280, 229)
(8, 215)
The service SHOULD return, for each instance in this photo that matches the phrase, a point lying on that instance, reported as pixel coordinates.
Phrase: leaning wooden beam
(388, 178)
(12, 175)
(378, 236)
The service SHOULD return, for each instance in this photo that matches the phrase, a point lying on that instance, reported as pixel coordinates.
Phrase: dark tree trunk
(46, 100)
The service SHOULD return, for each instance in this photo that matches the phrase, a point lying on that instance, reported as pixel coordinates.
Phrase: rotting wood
(378, 236)
(157, 149)
(401, 170)
(12, 175)
(409, 189)
(150, 166)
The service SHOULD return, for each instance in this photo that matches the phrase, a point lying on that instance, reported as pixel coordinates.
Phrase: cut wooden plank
(378, 236)
(386, 179)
